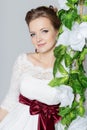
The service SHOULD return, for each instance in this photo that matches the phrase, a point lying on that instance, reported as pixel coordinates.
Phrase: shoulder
(20, 58)
(31, 56)
(21, 62)
(25, 58)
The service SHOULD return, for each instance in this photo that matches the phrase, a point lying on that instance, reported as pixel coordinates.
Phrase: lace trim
(43, 76)
(36, 71)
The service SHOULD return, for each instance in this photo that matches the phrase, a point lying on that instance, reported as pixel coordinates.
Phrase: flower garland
(70, 52)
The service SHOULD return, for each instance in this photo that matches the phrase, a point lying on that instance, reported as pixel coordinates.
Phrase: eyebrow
(40, 30)
(31, 32)
(43, 28)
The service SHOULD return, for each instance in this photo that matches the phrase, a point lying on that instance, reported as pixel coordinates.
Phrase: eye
(32, 34)
(45, 31)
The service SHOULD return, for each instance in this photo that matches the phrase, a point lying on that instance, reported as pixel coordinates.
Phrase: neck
(47, 58)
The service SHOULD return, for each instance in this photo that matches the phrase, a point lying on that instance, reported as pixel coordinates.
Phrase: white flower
(62, 5)
(65, 95)
(80, 123)
(74, 38)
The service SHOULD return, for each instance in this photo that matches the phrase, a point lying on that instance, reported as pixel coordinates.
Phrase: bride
(31, 104)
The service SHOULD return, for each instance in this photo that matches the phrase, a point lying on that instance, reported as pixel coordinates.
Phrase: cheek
(33, 41)
(53, 38)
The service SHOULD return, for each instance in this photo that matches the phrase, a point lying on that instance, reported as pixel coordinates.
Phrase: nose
(38, 37)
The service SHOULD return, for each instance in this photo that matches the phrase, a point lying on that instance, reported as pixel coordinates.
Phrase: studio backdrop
(14, 35)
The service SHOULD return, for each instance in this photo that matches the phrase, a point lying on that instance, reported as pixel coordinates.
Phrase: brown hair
(42, 11)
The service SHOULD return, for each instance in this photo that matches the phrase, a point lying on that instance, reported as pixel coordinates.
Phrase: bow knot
(48, 114)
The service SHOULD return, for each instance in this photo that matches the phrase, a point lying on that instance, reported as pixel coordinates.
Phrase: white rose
(74, 38)
(65, 95)
(80, 123)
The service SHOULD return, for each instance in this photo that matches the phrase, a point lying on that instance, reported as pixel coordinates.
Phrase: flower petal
(65, 95)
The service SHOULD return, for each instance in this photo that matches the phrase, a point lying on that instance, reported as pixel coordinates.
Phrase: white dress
(32, 82)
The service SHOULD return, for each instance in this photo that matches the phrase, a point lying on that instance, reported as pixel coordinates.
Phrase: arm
(3, 113)
(11, 98)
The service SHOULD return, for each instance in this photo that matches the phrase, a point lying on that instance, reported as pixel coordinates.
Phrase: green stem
(81, 3)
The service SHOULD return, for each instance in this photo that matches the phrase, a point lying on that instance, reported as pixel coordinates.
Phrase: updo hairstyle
(42, 11)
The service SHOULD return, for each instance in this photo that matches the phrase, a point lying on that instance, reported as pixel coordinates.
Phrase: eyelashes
(45, 31)
(32, 34)
(42, 31)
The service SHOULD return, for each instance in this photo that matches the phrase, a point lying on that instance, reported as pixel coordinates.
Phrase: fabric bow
(48, 114)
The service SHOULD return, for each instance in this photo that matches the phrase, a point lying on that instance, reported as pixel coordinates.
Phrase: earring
(36, 51)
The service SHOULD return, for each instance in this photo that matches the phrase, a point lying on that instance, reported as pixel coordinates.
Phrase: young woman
(31, 104)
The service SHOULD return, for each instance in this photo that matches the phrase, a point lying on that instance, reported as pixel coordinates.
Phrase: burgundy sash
(48, 114)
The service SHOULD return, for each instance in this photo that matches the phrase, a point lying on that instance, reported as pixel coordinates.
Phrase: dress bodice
(36, 88)
(32, 81)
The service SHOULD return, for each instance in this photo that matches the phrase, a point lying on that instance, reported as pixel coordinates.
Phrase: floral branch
(70, 52)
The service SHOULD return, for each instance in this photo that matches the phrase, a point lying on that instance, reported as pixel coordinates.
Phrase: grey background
(14, 35)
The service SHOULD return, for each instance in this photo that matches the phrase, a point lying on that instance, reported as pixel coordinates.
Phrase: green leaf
(85, 2)
(76, 55)
(60, 13)
(60, 30)
(84, 83)
(73, 115)
(73, 1)
(74, 76)
(75, 104)
(63, 111)
(82, 55)
(70, 5)
(83, 80)
(66, 120)
(84, 18)
(68, 113)
(68, 17)
(59, 50)
(55, 68)
(58, 81)
(68, 59)
(62, 69)
(77, 87)
(80, 110)
(81, 101)
(76, 71)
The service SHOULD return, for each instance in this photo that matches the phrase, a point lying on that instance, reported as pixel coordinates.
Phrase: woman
(31, 103)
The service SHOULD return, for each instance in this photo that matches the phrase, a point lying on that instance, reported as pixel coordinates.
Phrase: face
(43, 34)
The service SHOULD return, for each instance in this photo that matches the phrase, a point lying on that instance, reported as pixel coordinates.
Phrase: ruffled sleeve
(11, 98)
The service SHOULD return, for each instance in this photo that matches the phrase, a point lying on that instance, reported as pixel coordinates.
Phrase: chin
(44, 50)
(41, 50)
